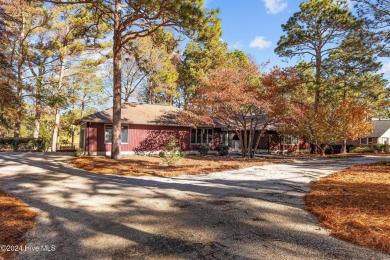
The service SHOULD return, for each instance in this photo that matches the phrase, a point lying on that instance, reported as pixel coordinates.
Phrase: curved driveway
(253, 213)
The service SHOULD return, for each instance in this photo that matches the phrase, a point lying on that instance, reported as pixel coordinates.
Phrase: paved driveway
(254, 213)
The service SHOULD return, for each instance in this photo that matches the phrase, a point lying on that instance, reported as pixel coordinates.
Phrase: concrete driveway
(254, 213)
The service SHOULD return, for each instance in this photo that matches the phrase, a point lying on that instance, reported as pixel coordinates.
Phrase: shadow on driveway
(253, 213)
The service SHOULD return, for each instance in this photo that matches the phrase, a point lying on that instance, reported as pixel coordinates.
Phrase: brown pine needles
(16, 219)
(152, 166)
(355, 204)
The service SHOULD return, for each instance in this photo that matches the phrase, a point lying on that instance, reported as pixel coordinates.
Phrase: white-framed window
(202, 135)
(385, 140)
(289, 140)
(108, 134)
(366, 140)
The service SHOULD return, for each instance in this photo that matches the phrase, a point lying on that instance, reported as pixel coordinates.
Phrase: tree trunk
(19, 110)
(37, 119)
(245, 147)
(323, 149)
(318, 80)
(57, 108)
(258, 139)
(250, 141)
(72, 134)
(344, 146)
(55, 130)
(19, 82)
(37, 124)
(117, 90)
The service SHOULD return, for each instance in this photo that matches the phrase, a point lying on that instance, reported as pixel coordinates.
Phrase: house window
(227, 138)
(366, 140)
(108, 134)
(201, 136)
(385, 140)
(289, 140)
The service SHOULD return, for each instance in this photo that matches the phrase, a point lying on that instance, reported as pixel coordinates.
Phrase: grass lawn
(152, 166)
(15, 220)
(355, 204)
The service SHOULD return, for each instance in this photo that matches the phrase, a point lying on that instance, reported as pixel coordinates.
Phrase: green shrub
(173, 153)
(223, 149)
(386, 148)
(79, 152)
(204, 150)
(383, 163)
(379, 147)
(172, 157)
(23, 144)
(361, 149)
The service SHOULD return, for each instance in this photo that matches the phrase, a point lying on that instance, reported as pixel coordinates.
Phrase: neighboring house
(145, 128)
(380, 134)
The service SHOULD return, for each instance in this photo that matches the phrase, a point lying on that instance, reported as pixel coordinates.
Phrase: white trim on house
(289, 140)
(366, 142)
(110, 142)
(385, 135)
(201, 136)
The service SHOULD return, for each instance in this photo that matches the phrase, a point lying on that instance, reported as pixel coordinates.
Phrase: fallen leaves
(151, 166)
(355, 204)
(16, 218)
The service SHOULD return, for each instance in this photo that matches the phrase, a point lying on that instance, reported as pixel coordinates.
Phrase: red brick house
(145, 127)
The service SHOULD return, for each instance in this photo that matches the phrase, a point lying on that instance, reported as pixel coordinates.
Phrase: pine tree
(130, 20)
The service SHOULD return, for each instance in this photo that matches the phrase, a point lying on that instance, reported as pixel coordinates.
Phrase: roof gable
(380, 127)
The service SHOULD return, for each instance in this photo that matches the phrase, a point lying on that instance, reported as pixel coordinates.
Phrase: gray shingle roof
(380, 127)
(138, 113)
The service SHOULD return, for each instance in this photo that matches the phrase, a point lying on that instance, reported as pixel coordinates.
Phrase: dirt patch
(15, 220)
(355, 204)
(152, 166)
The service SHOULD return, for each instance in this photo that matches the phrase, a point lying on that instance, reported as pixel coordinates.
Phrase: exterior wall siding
(272, 141)
(213, 145)
(385, 135)
(146, 138)
(91, 137)
(149, 138)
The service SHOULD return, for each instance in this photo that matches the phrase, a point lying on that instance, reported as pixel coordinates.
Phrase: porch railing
(66, 147)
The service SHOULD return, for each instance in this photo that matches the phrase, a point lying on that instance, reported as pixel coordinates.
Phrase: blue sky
(254, 26)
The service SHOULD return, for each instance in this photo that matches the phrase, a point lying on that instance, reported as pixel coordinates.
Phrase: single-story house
(145, 127)
(380, 134)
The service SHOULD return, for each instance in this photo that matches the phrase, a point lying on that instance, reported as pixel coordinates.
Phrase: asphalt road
(254, 213)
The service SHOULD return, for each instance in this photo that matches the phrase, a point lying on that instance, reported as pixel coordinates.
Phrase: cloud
(385, 68)
(260, 43)
(275, 6)
(237, 45)
(207, 3)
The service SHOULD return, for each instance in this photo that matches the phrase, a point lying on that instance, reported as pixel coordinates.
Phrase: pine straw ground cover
(152, 166)
(15, 220)
(355, 204)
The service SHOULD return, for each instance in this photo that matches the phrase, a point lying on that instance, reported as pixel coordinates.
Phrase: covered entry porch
(271, 142)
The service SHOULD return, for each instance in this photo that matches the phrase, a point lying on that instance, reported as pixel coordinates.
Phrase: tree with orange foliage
(338, 117)
(234, 96)
(353, 122)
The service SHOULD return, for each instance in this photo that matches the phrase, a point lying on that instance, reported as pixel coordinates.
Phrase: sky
(255, 26)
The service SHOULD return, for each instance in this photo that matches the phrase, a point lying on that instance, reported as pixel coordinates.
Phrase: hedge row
(381, 148)
(23, 144)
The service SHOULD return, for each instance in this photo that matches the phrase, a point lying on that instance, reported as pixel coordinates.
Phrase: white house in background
(380, 135)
